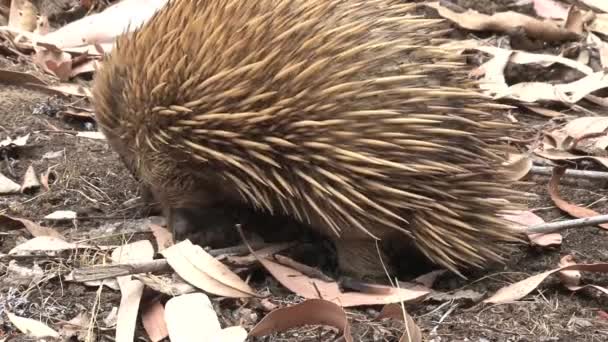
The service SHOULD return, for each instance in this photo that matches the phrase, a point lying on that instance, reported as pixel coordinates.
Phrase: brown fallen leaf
(9, 222)
(395, 311)
(530, 219)
(53, 60)
(19, 78)
(522, 288)
(505, 22)
(153, 320)
(309, 312)
(312, 288)
(574, 210)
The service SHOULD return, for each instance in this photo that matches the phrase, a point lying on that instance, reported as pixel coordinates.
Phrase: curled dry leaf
(396, 311)
(312, 288)
(202, 270)
(505, 22)
(518, 166)
(31, 327)
(61, 215)
(309, 312)
(574, 210)
(522, 288)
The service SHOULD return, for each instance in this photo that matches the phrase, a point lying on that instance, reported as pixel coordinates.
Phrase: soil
(88, 178)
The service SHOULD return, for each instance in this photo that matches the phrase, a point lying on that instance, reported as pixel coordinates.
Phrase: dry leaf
(153, 319)
(163, 236)
(574, 210)
(31, 327)
(311, 288)
(30, 180)
(529, 219)
(505, 22)
(33, 228)
(130, 289)
(522, 288)
(550, 9)
(7, 186)
(19, 78)
(91, 135)
(601, 5)
(309, 312)
(50, 245)
(202, 270)
(518, 166)
(191, 317)
(61, 215)
(22, 15)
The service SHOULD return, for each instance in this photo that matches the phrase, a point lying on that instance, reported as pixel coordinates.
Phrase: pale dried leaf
(550, 9)
(601, 5)
(61, 215)
(31, 327)
(92, 135)
(202, 270)
(7, 186)
(30, 180)
(192, 317)
(46, 244)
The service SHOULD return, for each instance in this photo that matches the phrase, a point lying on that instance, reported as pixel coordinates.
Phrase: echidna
(345, 115)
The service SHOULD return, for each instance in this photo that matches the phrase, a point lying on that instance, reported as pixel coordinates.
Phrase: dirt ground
(90, 180)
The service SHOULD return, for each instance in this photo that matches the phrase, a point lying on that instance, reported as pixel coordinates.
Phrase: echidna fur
(344, 114)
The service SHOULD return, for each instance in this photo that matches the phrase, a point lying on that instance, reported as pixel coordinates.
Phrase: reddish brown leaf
(310, 312)
(574, 210)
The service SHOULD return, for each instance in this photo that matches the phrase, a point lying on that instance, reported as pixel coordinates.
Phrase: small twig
(548, 171)
(561, 225)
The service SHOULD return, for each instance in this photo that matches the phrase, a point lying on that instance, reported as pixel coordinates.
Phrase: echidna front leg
(361, 258)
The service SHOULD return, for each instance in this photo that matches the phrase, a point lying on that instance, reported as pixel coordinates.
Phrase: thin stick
(548, 171)
(561, 225)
